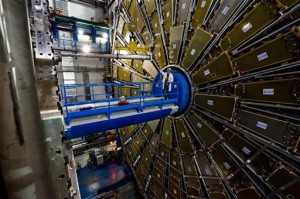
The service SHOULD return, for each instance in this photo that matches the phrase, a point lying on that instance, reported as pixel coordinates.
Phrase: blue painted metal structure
(147, 105)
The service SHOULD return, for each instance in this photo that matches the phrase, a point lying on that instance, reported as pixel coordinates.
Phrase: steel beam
(108, 56)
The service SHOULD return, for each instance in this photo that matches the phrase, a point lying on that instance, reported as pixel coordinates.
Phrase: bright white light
(105, 35)
(80, 32)
(101, 40)
(86, 49)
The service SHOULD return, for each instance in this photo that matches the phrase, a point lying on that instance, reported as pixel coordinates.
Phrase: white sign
(226, 165)
(262, 125)
(246, 150)
(225, 10)
(174, 46)
(247, 27)
(183, 6)
(210, 102)
(182, 134)
(199, 125)
(262, 56)
(206, 72)
(193, 51)
(203, 4)
(268, 91)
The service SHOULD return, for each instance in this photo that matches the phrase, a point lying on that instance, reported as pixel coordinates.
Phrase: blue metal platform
(94, 108)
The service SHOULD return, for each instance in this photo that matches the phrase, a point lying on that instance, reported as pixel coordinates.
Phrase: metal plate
(166, 135)
(183, 10)
(147, 38)
(224, 12)
(121, 24)
(276, 91)
(225, 163)
(183, 137)
(168, 13)
(149, 68)
(262, 164)
(188, 165)
(150, 6)
(205, 167)
(280, 177)
(124, 74)
(127, 3)
(206, 134)
(221, 105)
(218, 68)
(159, 52)
(163, 152)
(175, 163)
(248, 193)
(288, 3)
(240, 146)
(174, 188)
(268, 127)
(155, 24)
(199, 41)
(261, 15)
(176, 34)
(115, 71)
(138, 66)
(274, 52)
(136, 16)
(201, 11)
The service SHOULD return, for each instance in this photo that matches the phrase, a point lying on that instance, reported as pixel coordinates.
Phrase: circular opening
(61, 176)
(58, 151)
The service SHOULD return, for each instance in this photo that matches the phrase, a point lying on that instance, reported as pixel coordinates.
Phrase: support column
(23, 158)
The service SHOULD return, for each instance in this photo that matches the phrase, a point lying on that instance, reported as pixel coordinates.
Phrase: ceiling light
(86, 49)
(105, 35)
(80, 32)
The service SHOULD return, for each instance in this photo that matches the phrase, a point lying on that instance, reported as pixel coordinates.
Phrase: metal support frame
(23, 162)
(108, 56)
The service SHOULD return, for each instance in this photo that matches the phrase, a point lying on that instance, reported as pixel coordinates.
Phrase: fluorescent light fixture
(80, 32)
(86, 49)
(105, 35)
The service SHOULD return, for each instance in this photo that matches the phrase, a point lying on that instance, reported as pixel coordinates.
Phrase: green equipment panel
(166, 136)
(193, 189)
(183, 137)
(183, 10)
(224, 12)
(261, 15)
(188, 165)
(136, 16)
(167, 10)
(147, 131)
(134, 92)
(240, 146)
(206, 168)
(248, 193)
(127, 3)
(176, 34)
(198, 42)
(274, 129)
(275, 91)
(159, 52)
(218, 68)
(287, 3)
(138, 66)
(174, 187)
(222, 106)
(208, 136)
(127, 61)
(262, 163)
(201, 11)
(124, 91)
(150, 6)
(155, 24)
(276, 51)
(124, 74)
(147, 38)
(283, 176)
(224, 161)
(115, 71)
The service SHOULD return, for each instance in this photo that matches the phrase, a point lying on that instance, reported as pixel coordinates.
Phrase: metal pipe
(109, 56)
(23, 156)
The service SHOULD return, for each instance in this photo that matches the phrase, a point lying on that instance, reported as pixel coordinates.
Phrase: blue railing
(94, 99)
